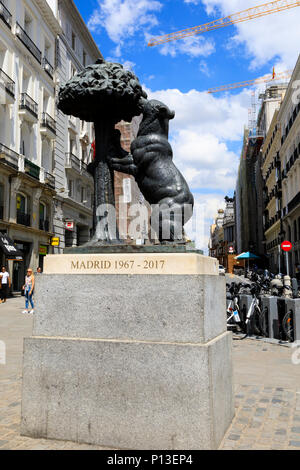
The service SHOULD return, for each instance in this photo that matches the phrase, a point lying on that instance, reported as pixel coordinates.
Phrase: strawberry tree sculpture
(103, 93)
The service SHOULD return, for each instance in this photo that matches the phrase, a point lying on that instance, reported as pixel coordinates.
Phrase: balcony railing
(9, 156)
(7, 83)
(31, 169)
(28, 42)
(49, 180)
(49, 122)
(23, 218)
(294, 202)
(72, 161)
(5, 15)
(48, 67)
(44, 225)
(26, 102)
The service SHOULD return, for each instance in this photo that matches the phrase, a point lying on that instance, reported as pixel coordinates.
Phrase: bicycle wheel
(254, 322)
(288, 325)
(263, 323)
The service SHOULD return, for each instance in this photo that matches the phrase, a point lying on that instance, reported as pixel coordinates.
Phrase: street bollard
(294, 305)
(244, 304)
(294, 287)
(287, 287)
(270, 303)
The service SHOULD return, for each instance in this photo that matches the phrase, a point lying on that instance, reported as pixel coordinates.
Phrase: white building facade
(28, 31)
(43, 153)
(289, 125)
(75, 49)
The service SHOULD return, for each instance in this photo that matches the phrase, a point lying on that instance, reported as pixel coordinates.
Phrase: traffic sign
(286, 246)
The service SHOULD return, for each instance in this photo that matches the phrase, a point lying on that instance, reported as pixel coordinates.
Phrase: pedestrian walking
(5, 284)
(28, 291)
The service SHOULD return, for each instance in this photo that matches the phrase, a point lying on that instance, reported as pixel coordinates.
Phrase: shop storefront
(10, 256)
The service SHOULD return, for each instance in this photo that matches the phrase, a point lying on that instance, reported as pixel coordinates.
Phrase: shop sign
(55, 241)
(43, 251)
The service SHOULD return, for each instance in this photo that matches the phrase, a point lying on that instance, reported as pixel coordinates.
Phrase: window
(84, 58)
(44, 223)
(1, 201)
(42, 211)
(71, 188)
(23, 216)
(73, 41)
(83, 199)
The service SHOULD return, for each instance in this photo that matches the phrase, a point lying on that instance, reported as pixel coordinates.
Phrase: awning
(9, 249)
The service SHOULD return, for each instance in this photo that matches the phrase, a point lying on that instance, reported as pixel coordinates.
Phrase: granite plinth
(149, 308)
(131, 361)
(128, 395)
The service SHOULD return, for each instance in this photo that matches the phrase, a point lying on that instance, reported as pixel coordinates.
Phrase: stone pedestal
(127, 359)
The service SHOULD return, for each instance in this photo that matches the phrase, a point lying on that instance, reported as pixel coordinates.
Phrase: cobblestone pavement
(267, 393)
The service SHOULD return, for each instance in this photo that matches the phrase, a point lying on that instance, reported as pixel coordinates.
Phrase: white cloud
(123, 18)
(273, 37)
(194, 46)
(205, 211)
(200, 135)
(203, 113)
(203, 67)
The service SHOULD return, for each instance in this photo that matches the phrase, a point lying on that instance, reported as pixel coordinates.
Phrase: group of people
(28, 287)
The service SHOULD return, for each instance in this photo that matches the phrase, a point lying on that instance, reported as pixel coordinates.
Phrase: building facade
(28, 30)
(251, 213)
(289, 128)
(73, 214)
(271, 170)
(222, 244)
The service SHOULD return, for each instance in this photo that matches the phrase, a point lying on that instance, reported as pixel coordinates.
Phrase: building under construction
(249, 194)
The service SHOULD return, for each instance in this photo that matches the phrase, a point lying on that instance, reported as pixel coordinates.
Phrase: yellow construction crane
(257, 81)
(245, 15)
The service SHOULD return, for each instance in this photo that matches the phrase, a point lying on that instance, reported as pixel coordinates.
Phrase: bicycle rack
(294, 305)
(270, 304)
(244, 304)
(282, 310)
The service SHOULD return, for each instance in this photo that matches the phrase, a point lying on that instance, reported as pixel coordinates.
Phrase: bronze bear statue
(151, 164)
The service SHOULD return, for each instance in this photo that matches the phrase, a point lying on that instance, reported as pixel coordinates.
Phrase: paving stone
(296, 429)
(234, 437)
(294, 443)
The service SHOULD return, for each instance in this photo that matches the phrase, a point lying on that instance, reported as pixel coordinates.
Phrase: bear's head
(156, 117)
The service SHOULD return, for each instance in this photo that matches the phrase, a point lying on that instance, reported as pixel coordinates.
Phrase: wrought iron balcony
(27, 103)
(49, 69)
(49, 180)
(7, 83)
(28, 43)
(5, 15)
(9, 156)
(294, 202)
(72, 161)
(23, 219)
(31, 169)
(49, 122)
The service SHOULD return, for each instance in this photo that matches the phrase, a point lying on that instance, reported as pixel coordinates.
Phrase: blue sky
(207, 131)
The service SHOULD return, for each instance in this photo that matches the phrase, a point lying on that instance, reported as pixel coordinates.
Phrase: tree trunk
(103, 180)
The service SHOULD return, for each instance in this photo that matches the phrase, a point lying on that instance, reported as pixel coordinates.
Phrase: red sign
(286, 246)
(69, 225)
